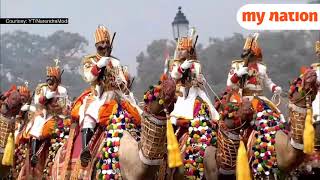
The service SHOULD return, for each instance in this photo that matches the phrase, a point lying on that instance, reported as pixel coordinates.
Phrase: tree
(24, 57)
(65, 44)
(314, 2)
(151, 64)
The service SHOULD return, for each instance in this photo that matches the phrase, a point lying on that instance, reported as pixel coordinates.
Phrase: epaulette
(260, 62)
(39, 87)
(88, 58)
(175, 60)
(315, 65)
(237, 61)
(170, 61)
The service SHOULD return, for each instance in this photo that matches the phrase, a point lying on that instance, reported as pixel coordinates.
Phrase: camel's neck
(297, 117)
(156, 109)
(10, 112)
(153, 138)
(228, 144)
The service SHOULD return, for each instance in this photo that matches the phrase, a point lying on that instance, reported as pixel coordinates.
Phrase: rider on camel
(186, 71)
(108, 79)
(10, 107)
(51, 101)
(193, 109)
(250, 76)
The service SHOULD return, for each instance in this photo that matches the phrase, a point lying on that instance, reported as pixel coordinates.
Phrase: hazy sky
(137, 22)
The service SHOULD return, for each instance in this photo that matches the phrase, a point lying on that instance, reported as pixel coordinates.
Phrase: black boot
(34, 157)
(85, 155)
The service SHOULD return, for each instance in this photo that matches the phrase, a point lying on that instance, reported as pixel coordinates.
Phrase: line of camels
(143, 155)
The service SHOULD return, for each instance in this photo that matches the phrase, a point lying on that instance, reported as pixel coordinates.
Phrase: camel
(144, 159)
(10, 103)
(288, 147)
(133, 158)
(149, 160)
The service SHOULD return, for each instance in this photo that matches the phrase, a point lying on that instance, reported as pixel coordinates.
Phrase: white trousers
(90, 117)
(183, 108)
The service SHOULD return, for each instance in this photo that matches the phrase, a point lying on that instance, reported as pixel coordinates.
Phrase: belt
(249, 92)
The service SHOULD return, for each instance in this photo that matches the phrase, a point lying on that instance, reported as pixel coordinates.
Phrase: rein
(237, 128)
(164, 109)
(302, 98)
(153, 115)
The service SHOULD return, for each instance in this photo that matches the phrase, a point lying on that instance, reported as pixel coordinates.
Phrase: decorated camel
(189, 109)
(195, 136)
(311, 165)
(10, 103)
(104, 145)
(106, 113)
(48, 129)
(135, 159)
(262, 127)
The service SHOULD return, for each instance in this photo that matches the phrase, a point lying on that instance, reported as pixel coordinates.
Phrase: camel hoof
(34, 160)
(85, 157)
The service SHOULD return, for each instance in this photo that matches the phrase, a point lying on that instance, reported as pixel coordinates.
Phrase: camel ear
(235, 97)
(255, 103)
(13, 87)
(163, 77)
(303, 69)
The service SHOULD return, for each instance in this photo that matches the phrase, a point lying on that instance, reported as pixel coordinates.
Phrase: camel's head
(235, 112)
(12, 101)
(160, 96)
(304, 86)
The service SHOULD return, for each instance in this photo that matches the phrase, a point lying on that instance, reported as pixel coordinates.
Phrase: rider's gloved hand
(50, 94)
(201, 79)
(103, 62)
(186, 64)
(242, 71)
(25, 107)
(277, 90)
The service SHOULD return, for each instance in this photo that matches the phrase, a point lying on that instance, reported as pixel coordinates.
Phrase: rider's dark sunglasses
(102, 45)
(51, 80)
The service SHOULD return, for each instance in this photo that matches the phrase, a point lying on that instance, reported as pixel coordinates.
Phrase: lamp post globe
(180, 25)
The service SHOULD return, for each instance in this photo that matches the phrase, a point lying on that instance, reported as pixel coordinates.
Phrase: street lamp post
(180, 25)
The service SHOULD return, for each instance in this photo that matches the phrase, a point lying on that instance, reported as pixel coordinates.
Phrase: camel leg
(287, 156)
(210, 165)
(132, 168)
(4, 171)
(178, 173)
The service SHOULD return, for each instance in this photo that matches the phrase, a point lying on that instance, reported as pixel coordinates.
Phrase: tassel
(308, 134)
(7, 159)
(174, 156)
(242, 165)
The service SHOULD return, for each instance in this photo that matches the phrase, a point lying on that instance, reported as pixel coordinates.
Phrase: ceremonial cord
(274, 97)
(210, 88)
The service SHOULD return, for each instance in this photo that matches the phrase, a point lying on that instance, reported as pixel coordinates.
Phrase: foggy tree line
(24, 56)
